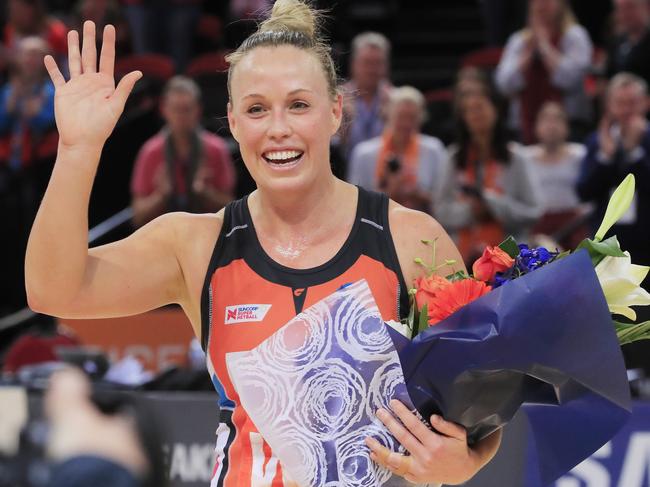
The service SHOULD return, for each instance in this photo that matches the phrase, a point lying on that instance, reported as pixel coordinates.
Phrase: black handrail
(94, 234)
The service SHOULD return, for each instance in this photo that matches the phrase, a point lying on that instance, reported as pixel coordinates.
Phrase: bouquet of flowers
(436, 298)
(530, 328)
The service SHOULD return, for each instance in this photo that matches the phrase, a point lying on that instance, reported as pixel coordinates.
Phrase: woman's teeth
(282, 157)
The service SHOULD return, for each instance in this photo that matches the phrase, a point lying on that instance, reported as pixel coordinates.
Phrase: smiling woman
(244, 272)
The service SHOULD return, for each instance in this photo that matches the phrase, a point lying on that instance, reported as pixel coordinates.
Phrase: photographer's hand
(78, 428)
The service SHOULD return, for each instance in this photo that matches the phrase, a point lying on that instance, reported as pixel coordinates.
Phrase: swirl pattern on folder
(312, 390)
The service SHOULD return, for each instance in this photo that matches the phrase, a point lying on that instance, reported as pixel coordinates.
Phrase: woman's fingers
(89, 49)
(397, 463)
(74, 55)
(53, 70)
(107, 57)
(124, 89)
(402, 434)
(411, 421)
(448, 428)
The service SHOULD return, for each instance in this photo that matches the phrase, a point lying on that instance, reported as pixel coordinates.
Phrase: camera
(394, 165)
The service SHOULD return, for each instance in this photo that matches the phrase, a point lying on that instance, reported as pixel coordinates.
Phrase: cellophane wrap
(544, 341)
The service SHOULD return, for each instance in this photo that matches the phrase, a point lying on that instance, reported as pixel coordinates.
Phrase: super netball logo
(246, 313)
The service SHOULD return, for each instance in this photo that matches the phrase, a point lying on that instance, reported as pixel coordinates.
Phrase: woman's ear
(231, 122)
(337, 113)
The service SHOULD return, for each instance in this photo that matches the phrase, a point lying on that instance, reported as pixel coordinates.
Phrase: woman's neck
(483, 144)
(552, 151)
(300, 213)
(400, 142)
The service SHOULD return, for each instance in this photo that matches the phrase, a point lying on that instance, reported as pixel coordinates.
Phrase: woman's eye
(255, 109)
(300, 105)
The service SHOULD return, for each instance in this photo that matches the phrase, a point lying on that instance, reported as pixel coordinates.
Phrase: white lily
(400, 328)
(618, 204)
(621, 280)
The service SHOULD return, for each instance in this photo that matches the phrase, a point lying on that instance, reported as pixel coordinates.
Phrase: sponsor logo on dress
(246, 313)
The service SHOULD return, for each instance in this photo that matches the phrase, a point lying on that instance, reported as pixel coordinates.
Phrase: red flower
(426, 289)
(449, 299)
(492, 261)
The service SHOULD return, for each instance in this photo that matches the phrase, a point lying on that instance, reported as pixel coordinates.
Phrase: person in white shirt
(556, 163)
(402, 162)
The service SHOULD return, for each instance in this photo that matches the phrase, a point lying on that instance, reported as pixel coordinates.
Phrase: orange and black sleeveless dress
(247, 296)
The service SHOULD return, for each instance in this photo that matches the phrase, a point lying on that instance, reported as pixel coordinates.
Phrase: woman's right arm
(508, 76)
(62, 276)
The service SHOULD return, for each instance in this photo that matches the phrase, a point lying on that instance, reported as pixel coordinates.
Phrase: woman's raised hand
(88, 106)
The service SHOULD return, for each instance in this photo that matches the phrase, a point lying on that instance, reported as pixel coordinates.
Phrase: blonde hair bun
(292, 16)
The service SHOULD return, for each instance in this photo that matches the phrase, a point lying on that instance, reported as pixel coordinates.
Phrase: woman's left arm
(521, 203)
(443, 455)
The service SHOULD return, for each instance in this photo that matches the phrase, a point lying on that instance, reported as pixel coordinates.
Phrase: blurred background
(446, 102)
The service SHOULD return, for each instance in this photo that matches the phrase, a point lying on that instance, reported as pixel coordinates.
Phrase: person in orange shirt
(489, 190)
(297, 238)
(29, 18)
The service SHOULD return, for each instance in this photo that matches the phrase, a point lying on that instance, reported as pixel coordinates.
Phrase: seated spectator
(546, 61)
(368, 90)
(26, 106)
(629, 50)
(489, 190)
(470, 80)
(402, 162)
(621, 146)
(557, 167)
(184, 167)
(39, 345)
(29, 18)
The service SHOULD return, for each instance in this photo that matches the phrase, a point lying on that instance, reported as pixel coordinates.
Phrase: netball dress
(247, 297)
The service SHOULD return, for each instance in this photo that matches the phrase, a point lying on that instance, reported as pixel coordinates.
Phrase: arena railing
(94, 234)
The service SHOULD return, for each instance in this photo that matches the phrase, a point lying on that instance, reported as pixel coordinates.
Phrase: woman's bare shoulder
(408, 229)
(194, 235)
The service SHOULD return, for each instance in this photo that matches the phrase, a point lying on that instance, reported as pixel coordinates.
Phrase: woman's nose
(279, 126)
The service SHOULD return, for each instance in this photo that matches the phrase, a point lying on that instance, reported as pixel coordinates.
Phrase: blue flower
(531, 259)
(500, 280)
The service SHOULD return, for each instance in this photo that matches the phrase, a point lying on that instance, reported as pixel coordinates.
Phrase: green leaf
(562, 255)
(628, 333)
(510, 247)
(598, 250)
(410, 320)
(423, 322)
(618, 204)
(457, 276)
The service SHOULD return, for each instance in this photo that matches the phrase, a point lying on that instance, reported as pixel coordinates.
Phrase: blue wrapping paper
(545, 341)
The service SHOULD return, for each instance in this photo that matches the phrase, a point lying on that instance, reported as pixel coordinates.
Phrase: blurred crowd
(542, 123)
(530, 139)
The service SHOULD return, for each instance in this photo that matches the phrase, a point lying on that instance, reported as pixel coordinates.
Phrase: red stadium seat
(156, 66)
(486, 58)
(210, 71)
(208, 63)
(436, 96)
(210, 28)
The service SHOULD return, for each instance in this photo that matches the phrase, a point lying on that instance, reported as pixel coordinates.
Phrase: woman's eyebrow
(291, 93)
